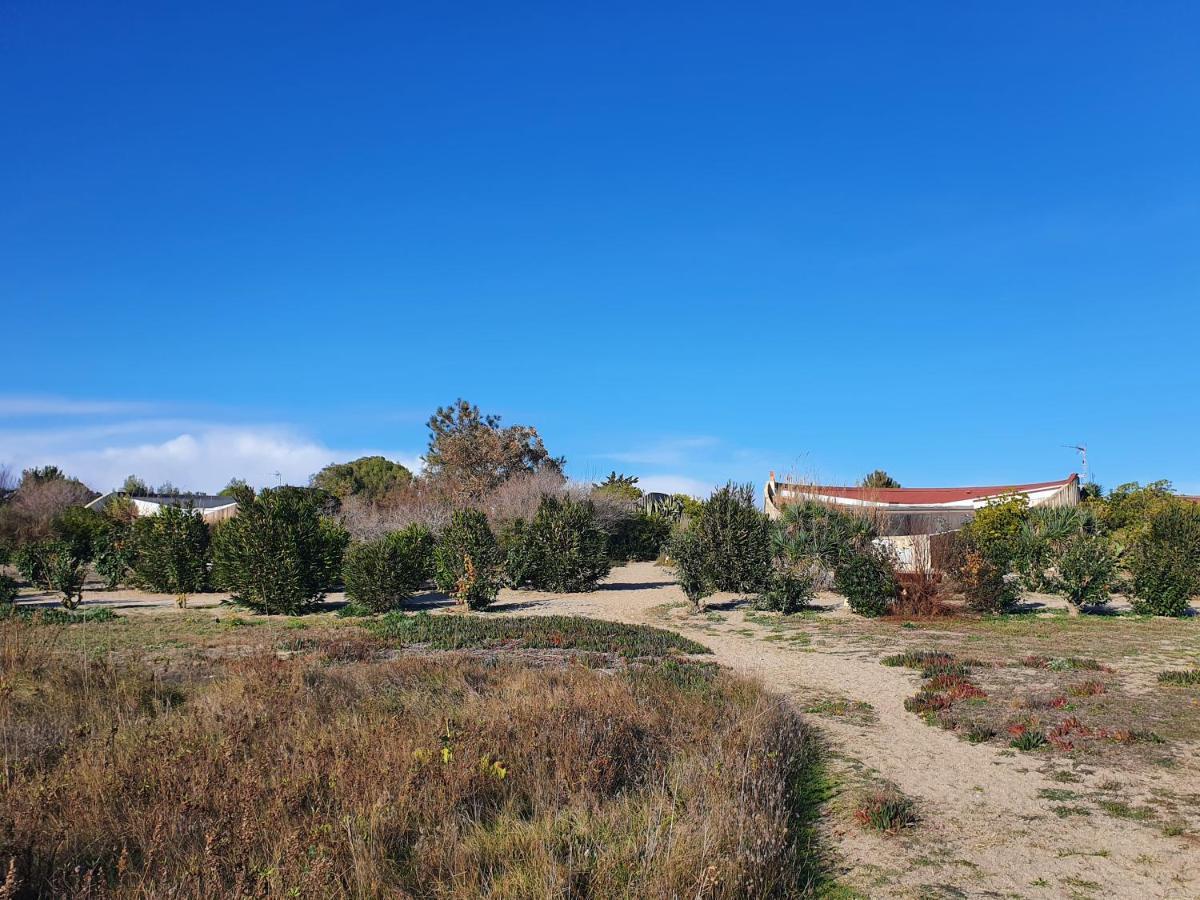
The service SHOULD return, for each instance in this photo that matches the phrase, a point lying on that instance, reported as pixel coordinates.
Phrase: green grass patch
(51, 616)
(1186, 676)
(458, 632)
(1120, 810)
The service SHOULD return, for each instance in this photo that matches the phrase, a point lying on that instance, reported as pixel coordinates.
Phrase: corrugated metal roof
(919, 496)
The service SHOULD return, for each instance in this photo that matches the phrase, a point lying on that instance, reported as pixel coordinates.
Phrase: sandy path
(985, 830)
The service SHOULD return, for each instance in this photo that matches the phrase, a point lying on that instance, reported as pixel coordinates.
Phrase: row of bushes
(1008, 547)
(729, 545)
(282, 553)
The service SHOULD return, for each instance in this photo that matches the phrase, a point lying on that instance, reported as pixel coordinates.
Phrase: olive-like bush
(726, 548)
(84, 529)
(985, 584)
(171, 551)
(1165, 560)
(8, 589)
(115, 554)
(640, 537)
(54, 566)
(467, 561)
(381, 575)
(1086, 569)
(563, 548)
(867, 579)
(279, 554)
(787, 592)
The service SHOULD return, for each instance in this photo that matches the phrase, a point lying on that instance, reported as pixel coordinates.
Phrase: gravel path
(985, 830)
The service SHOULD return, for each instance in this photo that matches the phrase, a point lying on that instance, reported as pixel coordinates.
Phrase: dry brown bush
(31, 508)
(337, 775)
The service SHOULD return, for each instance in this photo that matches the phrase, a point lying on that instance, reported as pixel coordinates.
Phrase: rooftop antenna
(279, 478)
(1081, 449)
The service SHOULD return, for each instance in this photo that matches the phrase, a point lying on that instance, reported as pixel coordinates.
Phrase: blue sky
(688, 241)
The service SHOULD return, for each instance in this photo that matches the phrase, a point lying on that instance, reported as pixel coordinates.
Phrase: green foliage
(115, 554)
(8, 589)
(467, 561)
(236, 487)
(640, 537)
(31, 562)
(812, 531)
(381, 575)
(562, 548)
(663, 506)
(879, 479)
(620, 487)
(371, 477)
(1128, 507)
(1165, 560)
(1086, 568)
(135, 487)
(736, 539)
(867, 579)
(886, 810)
(82, 528)
(53, 566)
(532, 632)
(691, 568)
(787, 592)
(996, 529)
(985, 585)
(279, 554)
(691, 507)
(171, 551)
(1043, 539)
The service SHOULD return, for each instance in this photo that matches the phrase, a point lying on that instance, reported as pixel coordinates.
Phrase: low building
(212, 509)
(906, 518)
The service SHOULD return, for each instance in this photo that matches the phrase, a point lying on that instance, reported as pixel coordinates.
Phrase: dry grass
(331, 773)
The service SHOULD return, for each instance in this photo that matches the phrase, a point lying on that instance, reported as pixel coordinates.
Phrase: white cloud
(199, 457)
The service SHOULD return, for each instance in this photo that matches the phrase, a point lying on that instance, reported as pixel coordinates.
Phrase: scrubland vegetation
(130, 773)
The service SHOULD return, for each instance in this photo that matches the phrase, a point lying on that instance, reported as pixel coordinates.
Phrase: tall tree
(471, 453)
(371, 477)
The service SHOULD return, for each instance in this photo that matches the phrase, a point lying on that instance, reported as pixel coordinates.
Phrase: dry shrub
(420, 503)
(520, 496)
(427, 776)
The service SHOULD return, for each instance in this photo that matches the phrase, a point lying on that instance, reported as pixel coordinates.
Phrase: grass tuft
(886, 810)
(1186, 676)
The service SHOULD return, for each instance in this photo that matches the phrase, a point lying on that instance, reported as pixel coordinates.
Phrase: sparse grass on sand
(337, 771)
(457, 632)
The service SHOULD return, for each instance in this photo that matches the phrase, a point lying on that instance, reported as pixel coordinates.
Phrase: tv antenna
(279, 477)
(1081, 449)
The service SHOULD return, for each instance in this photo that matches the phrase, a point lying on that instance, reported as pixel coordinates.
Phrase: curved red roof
(922, 496)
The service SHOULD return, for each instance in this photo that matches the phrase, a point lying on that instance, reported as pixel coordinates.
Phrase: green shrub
(31, 562)
(985, 584)
(1165, 560)
(115, 554)
(562, 548)
(867, 579)
(467, 562)
(381, 575)
(639, 538)
(809, 530)
(171, 551)
(84, 529)
(53, 566)
(996, 530)
(691, 570)
(887, 810)
(8, 589)
(787, 592)
(279, 554)
(736, 538)
(1086, 569)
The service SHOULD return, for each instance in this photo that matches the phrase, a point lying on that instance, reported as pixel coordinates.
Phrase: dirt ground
(1108, 818)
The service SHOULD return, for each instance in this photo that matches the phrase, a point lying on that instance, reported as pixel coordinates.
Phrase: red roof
(923, 496)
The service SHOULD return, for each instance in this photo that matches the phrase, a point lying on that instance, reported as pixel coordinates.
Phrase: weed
(1121, 810)
(1090, 688)
(1186, 676)
(886, 810)
(1028, 740)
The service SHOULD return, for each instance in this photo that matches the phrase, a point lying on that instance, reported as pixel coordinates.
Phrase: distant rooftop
(195, 501)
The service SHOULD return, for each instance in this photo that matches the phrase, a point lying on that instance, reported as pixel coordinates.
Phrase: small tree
(279, 554)
(620, 487)
(726, 548)
(115, 554)
(1165, 560)
(381, 575)
(53, 566)
(787, 592)
(84, 529)
(171, 551)
(985, 585)
(640, 537)
(867, 579)
(561, 549)
(880, 479)
(996, 530)
(1086, 569)
(468, 564)
(372, 477)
